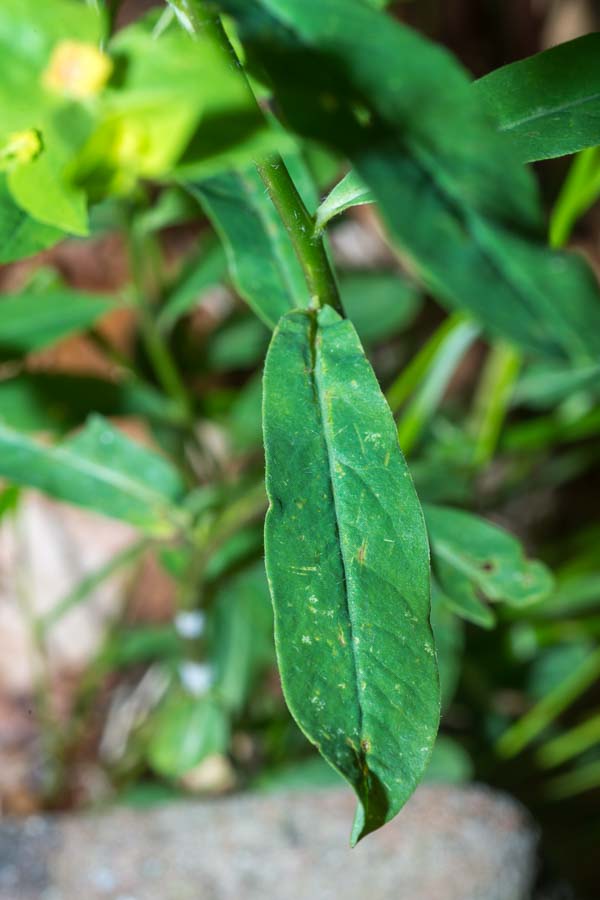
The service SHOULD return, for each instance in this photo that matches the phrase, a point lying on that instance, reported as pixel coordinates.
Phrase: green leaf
(177, 108)
(202, 274)
(239, 344)
(30, 321)
(350, 191)
(543, 385)
(85, 588)
(142, 644)
(450, 763)
(457, 202)
(473, 558)
(580, 190)
(9, 500)
(554, 702)
(459, 595)
(304, 775)
(348, 567)
(548, 104)
(458, 335)
(42, 186)
(56, 402)
(20, 234)
(449, 636)
(244, 419)
(379, 304)
(28, 36)
(185, 731)
(571, 743)
(100, 469)
(242, 641)
(262, 262)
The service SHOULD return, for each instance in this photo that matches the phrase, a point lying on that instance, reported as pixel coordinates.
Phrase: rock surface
(448, 843)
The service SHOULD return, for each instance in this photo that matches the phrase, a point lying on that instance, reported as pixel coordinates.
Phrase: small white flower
(190, 625)
(196, 678)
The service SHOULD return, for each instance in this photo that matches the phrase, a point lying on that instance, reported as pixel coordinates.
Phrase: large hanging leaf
(31, 320)
(348, 566)
(548, 104)
(101, 469)
(456, 200)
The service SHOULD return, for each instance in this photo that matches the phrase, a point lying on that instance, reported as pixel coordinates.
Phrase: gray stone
(448, 843)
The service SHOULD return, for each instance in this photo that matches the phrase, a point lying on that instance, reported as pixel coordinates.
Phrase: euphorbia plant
(346, 541)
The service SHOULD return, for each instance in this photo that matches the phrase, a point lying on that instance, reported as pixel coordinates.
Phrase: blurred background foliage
(146, 669)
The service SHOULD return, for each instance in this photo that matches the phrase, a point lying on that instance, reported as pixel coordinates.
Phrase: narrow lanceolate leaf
(100, 469)
(548, 104)
(348, 566)
(457, 202)
(31, 320)
(262, 262)
(350, 191)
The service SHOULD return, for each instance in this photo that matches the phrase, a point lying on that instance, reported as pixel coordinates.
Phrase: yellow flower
(20, 147)
(77, 70)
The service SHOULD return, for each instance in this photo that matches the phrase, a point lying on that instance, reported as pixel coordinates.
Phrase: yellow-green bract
(348, 565)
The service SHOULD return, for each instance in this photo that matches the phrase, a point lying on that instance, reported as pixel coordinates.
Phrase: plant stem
(428, 376)
(90, 582)
(243, 510)
(571, 744)
(547, 710)
(300, 226)
(579, 191)
(162, 360)
(414, 373)
(492, 400)
(197, 18)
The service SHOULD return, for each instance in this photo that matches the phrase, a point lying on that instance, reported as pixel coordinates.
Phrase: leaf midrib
(473, 223)
(318, 389)
(549, 111)
(96, 470)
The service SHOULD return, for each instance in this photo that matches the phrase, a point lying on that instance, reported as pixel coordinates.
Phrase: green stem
(579, 191)
(413, 374)
(547, 710)
(430, 374)
(300, 226)
(81, 591)
(492, 400)
(243, 510)
(584, 778)
(112, 353)
(573, 743)
(198, 18)
(162, 360)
